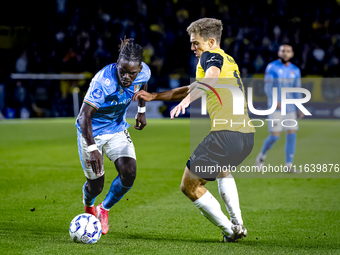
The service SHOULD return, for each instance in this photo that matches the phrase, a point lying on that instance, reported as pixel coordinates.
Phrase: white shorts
(113, 146)
(277, 122)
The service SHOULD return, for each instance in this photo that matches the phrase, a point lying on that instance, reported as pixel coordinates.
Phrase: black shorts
(219, 151)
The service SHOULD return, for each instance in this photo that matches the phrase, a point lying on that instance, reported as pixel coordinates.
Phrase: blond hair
(207, 28)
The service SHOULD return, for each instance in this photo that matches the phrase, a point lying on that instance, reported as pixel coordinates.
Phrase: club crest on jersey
(292, 74)
(137, 87)
(97, 94)
(121, 91)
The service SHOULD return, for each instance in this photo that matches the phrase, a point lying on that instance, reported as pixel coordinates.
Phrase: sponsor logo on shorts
(88, 163)
(127, 136)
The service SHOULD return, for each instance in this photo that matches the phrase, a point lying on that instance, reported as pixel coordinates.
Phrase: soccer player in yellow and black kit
(227, 144)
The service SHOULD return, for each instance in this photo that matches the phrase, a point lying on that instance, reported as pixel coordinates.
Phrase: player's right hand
(96, 161)
(143, 95)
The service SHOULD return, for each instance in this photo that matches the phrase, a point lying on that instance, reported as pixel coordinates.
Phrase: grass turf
(41, 188)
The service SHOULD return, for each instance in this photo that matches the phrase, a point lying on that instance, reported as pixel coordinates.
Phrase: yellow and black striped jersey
(223, 111)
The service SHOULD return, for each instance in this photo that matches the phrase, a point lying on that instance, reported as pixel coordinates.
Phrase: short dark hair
(207, 28)
(130, 51)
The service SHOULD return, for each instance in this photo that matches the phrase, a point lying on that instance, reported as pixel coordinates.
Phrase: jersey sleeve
(268, 80)
(103, 83)
(146, 73)
(271, 81)
(268, 76)
(95, 95)
(209, 59)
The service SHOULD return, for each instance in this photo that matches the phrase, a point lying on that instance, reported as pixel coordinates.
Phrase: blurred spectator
(19, 95)
(259, 64)
(318, 54)
(316, 63)
(61, 6)
(246, 63)
(148, 53)
(20, 103)
(21, 63)
(85, 35)
(333, 67)
(60, 36)
(101, 55)
(70, 60)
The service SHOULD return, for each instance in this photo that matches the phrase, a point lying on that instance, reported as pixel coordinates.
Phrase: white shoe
(259, 162)
(291, 169)
(239, 232)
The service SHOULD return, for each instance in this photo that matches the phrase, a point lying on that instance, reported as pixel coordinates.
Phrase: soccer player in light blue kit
(281, 73)
(102, 128)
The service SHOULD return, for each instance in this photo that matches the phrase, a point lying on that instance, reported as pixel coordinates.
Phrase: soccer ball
(85, 228)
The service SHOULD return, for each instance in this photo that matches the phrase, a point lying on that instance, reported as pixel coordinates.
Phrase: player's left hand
(180, 108)
(143, 95)
(140, 121)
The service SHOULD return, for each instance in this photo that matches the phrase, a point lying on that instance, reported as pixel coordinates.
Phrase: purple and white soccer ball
(85, 228)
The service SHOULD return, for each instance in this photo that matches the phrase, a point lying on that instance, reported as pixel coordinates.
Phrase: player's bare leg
(126, 168)
(193, 187)
(91, 189)
(95, 187)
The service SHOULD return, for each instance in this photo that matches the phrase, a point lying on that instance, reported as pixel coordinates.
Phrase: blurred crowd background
(73, 36)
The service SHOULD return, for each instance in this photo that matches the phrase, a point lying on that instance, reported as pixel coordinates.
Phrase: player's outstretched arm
(170, 95)
(140, 116)
(196, 90)
(85, 123)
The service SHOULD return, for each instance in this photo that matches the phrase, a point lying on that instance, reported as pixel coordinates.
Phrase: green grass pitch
(41, 188)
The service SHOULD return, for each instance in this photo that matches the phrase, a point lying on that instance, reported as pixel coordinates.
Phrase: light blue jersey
(111, 100)
(278, 75)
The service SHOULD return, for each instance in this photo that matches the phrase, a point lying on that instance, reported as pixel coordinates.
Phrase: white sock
(101, 206)
(261, 156)
(211, 209)
(228, 192)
